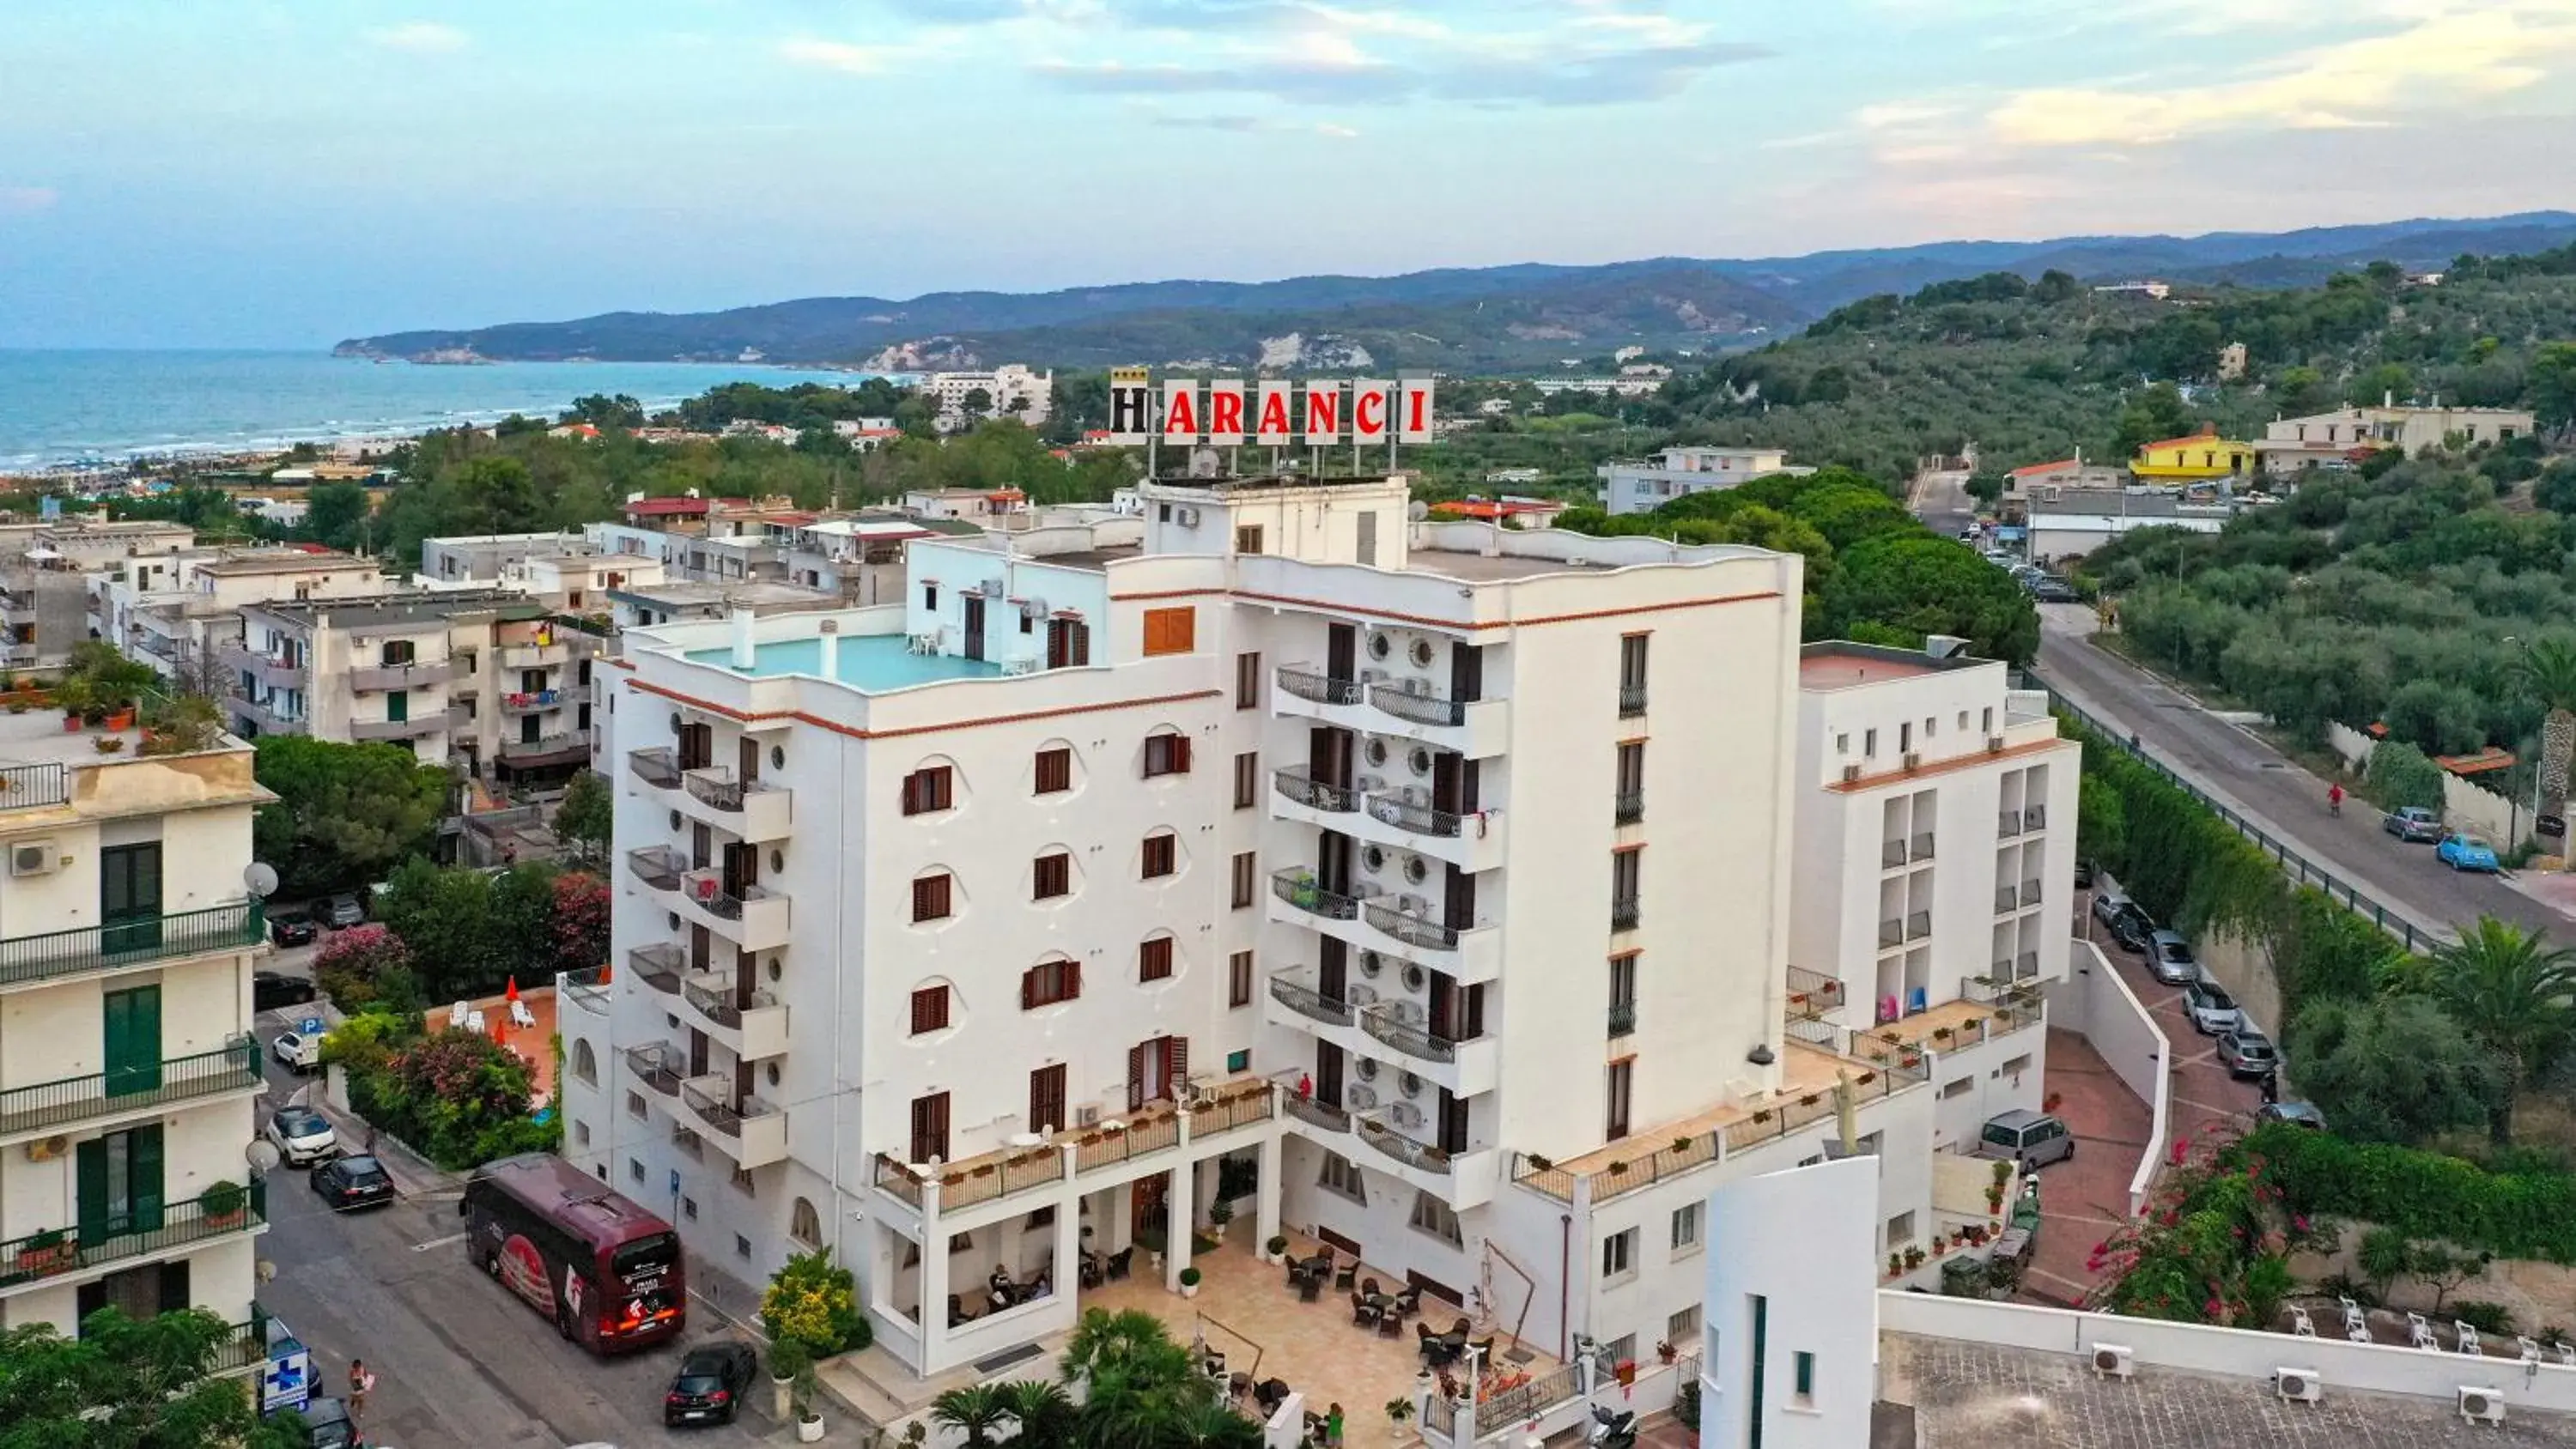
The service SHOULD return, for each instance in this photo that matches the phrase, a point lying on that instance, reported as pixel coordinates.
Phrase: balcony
(2035, 818)
(61, 955)
(2030, 893)
(61, 1253)
(588, 989)
(1813, 993)
(752, 1024)
(1623, 1019)
(1891, 853)
(1306, 1001)
(535, 656)
(1628, 807)
(546, 749)
(1297, 887)
(658, 767)
(1922, 849)
(419, 675)
(1918, 925)
(1465, 1067)
(52, 1106)
(460, 714)
(751, 918)
(1632, 700)
(397, 729)
(2008, 824)
(1314, 794)
(658, 1064)
(1109, 1149)
(265, 719)
(1317, 1114)
(1625, 913)
(658, 866)
(531, 701)
(274, 670)
(25, 787)
(1316, 687)
(748, 809)
(1424, 1159)
(743, 1127)
(659, 967)
(1418, 706)
(1415, 816)
(1891, 933)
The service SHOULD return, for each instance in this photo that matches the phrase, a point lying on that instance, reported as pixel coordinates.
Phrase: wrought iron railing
(1414, 1041)
(1314, 794)
(1298, 889)
(1418, 818)
(1625, 913)
(657, 766)
(658, 866)
(1813, 993)
(231, 1067)
(1308, 684)
(1502, 1408)
(1144, 1134)
(1307, 1001)
(658, 1063)
(1316, 1113)
(1628, 807)
(1403, 1149)
(1411, 929)
(1632, 700)
(1623, 1018)
(131, 943)
(1416, 707)
(26, 786)
(141, 1230)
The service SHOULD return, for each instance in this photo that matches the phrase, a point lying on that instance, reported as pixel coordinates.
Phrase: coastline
(68, 415)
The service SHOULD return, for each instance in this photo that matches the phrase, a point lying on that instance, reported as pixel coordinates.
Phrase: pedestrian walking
(371, 1139)
(2271, 1087)
(362, 1382)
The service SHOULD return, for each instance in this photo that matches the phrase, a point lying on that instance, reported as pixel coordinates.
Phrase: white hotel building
(1441, 873)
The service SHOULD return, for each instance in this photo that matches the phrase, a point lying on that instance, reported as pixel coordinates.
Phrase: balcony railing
(657, 766)
(232, 1067)
(1623, 1018)
(1922, 845)
(658, 866)
(1628, 807)
(24, 787)
(2006, 899)
(1314, 794)
(1891, 852)
(1415, 816)
(130, 943)
(2030, 893)
(531, 701)
(658, 1064)
(2026, 965)
(1403, 1149)
(725, 1112)
(659, 967)
(719, 1004)
(1625, 913)
(1298, 889)
(1627, 1175)
(1918, 925)
(1412, 930)
(2035, 818)
(1417, 1042)
(59, 1251)
(588, 989)
(1316, 1113)
(1307, 1001)
(1891, 933)
(542, 746)
(1417, 707)
(397, 729)
(534, 656)
(2008, 824)
(1320, 688)
(718, 788)
(420, 675)
(1632, 700)
(707, 889)
(1813, 993)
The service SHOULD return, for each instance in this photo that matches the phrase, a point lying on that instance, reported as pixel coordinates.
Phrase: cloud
(1596, 78)
(423, 37)
(1255, 125)
(840, 55)
(2438, 61)
(27, 200)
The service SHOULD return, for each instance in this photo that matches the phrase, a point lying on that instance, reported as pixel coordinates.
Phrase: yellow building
(2203, 455)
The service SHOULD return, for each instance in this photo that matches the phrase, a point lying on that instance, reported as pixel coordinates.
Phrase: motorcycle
(1611, 1429)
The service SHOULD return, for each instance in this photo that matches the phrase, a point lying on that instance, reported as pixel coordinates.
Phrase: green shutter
(143, 1181)
(133, 1020)
(398, 706)
(92, 1177)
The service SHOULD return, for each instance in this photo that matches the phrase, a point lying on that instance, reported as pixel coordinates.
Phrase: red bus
(605, 1270)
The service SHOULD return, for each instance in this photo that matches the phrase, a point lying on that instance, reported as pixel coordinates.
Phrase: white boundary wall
(2341, 1366)
(2096, 1002)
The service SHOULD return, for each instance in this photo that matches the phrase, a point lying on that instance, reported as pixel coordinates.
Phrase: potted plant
(1277, 1247)
(1189, 1282)
(1537, 1162)
(2001, 1173)
(222, 1203)
(1681, 1144)
(788, 1357)
(1626, 1372)
(110, 744)
(1941, 1033)
(1664, 1350)
(1220, 1213)
(802, 1390)
(1618, 1169)
(1913, 1256)
(46, 1251)
(1895, 1265)
(1399, 1410)
(1811, 1099)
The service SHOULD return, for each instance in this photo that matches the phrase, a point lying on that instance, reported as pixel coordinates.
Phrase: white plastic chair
(2465, 1337)
(2419, 1332)
(2301, 1324)
(2530, 1347)
(456, 1015)
(474, 1022)
(521, 1016)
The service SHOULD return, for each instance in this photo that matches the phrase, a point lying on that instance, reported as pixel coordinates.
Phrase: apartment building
(1196, 835)
(128, 1075)
(563, 571)
(1644, 485)
(1012, 390)
(491, 681)
(857, 559)
(2344, 437)
(175, 612)
(44, 579)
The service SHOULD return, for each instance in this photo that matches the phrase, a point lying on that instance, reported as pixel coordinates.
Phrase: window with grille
(1154, 959)
(929, 1009)
(930, 898)
(1055, 771)
(1054, 876)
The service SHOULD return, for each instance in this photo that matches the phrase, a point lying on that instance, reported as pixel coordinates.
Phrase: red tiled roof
(2047, 467)
(666, 507)
(1486, 508)
(2484, 760)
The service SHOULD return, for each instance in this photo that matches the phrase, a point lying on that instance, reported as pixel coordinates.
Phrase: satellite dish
(261, 878)
(261, 1154)
(1417, 510)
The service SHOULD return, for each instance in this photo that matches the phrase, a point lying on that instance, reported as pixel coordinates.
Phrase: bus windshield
(644, 1256)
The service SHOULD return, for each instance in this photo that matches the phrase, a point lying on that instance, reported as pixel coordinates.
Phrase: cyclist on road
(2334, 799)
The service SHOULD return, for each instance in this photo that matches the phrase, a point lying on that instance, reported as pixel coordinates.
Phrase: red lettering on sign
(1417, 405)
(1323, 413)
(1368, 413)
(1274, 415)
(1180, 415)
(1225, 412)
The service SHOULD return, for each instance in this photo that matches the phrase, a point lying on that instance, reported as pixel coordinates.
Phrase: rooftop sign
(1229, 411)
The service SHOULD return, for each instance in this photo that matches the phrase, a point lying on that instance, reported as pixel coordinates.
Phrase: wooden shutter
(1072, 980)
(912, 794)
(1176, 1062)
(1029, 988)
(1135, 1078)
(1046, 1098)
(1180, 754)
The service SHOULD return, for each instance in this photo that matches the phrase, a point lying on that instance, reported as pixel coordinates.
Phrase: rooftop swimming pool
(869, 663)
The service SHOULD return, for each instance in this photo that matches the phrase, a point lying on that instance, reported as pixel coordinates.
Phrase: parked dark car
(2053, 591)
(2246, 1052)
(2414, 823)
(353, 1182)
(2302, 1114)
(342, 911)
(328, 1423)
(272, 989)
(2128, 922)
(2169, 958)
(292, 928)
(709, 1387)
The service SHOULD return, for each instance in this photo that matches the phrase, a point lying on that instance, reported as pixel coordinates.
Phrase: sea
(61, 409)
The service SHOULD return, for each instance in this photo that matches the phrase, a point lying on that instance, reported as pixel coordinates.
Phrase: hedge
(2422, 1194)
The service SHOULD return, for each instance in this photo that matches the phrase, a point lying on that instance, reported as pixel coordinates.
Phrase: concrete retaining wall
(2095, 1001)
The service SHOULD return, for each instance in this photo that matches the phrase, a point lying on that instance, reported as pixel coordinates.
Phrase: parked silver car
(2031, 1139)
(2213, 1011)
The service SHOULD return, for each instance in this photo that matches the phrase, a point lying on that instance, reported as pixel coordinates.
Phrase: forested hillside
(2031, 372)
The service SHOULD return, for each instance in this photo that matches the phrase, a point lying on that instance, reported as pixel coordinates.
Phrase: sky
(286, 173)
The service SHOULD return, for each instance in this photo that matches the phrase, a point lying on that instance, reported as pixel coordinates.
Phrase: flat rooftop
(278, 561)
(748, 593)
(868, 663)
(405, 609)
(1978, 1394)
(1841, 664)
(38, 738)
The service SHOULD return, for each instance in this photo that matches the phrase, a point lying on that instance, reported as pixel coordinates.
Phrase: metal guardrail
(1309, 684)
(1307, 1001)
(1623, 1018)
(1318, 1114)
(1416, 707)
(658, 1063)
(1413, 930)
(1421, 1155)
(56, 1251)
(2300, 870)
(1419, 819)
(1530, 1400)
(1298, 889)
(231, 1067)
(130, 943)
(1315, 794)
(1417, 1042)
(23, 787)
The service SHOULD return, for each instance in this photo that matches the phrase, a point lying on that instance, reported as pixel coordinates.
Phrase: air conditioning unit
(1405, 1114)
(46, 1149)
(1913, 761)
(2481, 1406)
(1412, 905)
(2111, 1361)
(1020, 664)
(32, 857)
(1359, 1099)
(2298, 1385)
(1994, 744)
(1412, 1085)
(1033, 608)
(1850, 773)
(1186, 517)
(1087, 1115)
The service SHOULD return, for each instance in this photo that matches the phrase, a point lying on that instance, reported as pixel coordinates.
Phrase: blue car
(2466, 852)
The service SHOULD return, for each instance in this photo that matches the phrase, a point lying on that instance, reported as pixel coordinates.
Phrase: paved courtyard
(1973, 1396)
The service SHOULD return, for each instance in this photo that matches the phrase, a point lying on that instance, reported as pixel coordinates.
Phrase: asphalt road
(459, 1362)
(2234, 765)
(1941, 500)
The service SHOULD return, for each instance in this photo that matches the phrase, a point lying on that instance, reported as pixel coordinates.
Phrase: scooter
(1611, 1430)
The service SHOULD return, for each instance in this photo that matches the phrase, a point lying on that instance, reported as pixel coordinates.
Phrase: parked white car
(301, 1136)
(299, 1052)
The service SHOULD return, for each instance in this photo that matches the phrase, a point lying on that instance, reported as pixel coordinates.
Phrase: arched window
(584, 1065)
(804, 1224)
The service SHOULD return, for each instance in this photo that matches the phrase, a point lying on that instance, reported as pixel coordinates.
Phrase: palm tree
(2511, 991)
(975, 1411)
(1043, 1411)
(2547, 671)
(1129, 1340)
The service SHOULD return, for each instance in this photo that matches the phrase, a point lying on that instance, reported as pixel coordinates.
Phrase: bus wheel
(563, 1322)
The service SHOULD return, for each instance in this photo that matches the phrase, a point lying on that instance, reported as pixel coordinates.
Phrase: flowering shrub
(2213, 1246)
(815, 1304)
(456, 1096)
(580, 921)
(365, 965)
